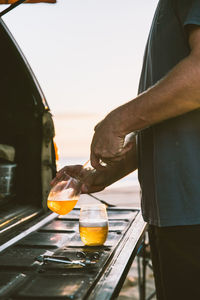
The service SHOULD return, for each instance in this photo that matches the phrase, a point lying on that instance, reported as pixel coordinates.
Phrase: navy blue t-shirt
(169, 152)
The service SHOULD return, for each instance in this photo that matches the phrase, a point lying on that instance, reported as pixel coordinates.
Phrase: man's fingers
(54, 181)
(126, 149)
(66, 172)
(95, 161)
(73, 170)
(121, 155)
(111, 160)
(58, 178)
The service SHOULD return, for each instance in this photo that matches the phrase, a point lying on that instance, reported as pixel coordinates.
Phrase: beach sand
(126, 196)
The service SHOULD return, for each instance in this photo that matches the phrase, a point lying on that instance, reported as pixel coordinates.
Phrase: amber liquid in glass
(93, 233)
(61, 207)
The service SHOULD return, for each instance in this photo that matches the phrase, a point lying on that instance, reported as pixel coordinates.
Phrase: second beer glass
(93, 224)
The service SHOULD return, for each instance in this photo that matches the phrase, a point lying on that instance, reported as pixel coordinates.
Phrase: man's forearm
(174, 95)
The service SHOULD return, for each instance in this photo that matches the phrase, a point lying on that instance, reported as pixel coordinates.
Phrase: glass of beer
(64, 196)
(93, 224)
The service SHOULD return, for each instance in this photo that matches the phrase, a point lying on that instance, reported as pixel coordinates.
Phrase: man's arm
(177, 93)
(96, 180)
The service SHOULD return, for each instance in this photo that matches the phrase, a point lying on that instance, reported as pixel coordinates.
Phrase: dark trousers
(176, 261)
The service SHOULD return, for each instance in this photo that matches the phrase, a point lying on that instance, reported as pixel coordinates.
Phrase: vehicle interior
(22, 128)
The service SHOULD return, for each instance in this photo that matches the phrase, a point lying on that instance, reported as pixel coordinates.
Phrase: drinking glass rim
(92, 206)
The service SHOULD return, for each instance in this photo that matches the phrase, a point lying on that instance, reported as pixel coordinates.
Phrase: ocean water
(127, 181)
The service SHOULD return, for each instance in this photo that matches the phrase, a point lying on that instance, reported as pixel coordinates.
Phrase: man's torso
(169, 152)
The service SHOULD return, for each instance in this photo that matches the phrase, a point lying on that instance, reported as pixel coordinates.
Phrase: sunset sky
(87, 56)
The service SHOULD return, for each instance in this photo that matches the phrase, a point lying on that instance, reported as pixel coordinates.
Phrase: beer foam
(64, 195)
(93, 223)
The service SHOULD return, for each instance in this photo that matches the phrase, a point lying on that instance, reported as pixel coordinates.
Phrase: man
(166, 151)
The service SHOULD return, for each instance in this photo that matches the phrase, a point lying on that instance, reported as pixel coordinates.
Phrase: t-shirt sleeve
(193, 14)
(187, 11)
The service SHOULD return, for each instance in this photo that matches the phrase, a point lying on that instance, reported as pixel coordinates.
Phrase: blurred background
(87, 56)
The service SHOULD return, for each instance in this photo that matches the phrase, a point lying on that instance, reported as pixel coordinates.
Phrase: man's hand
(109, 144)
(92, 180)
(96, 180)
